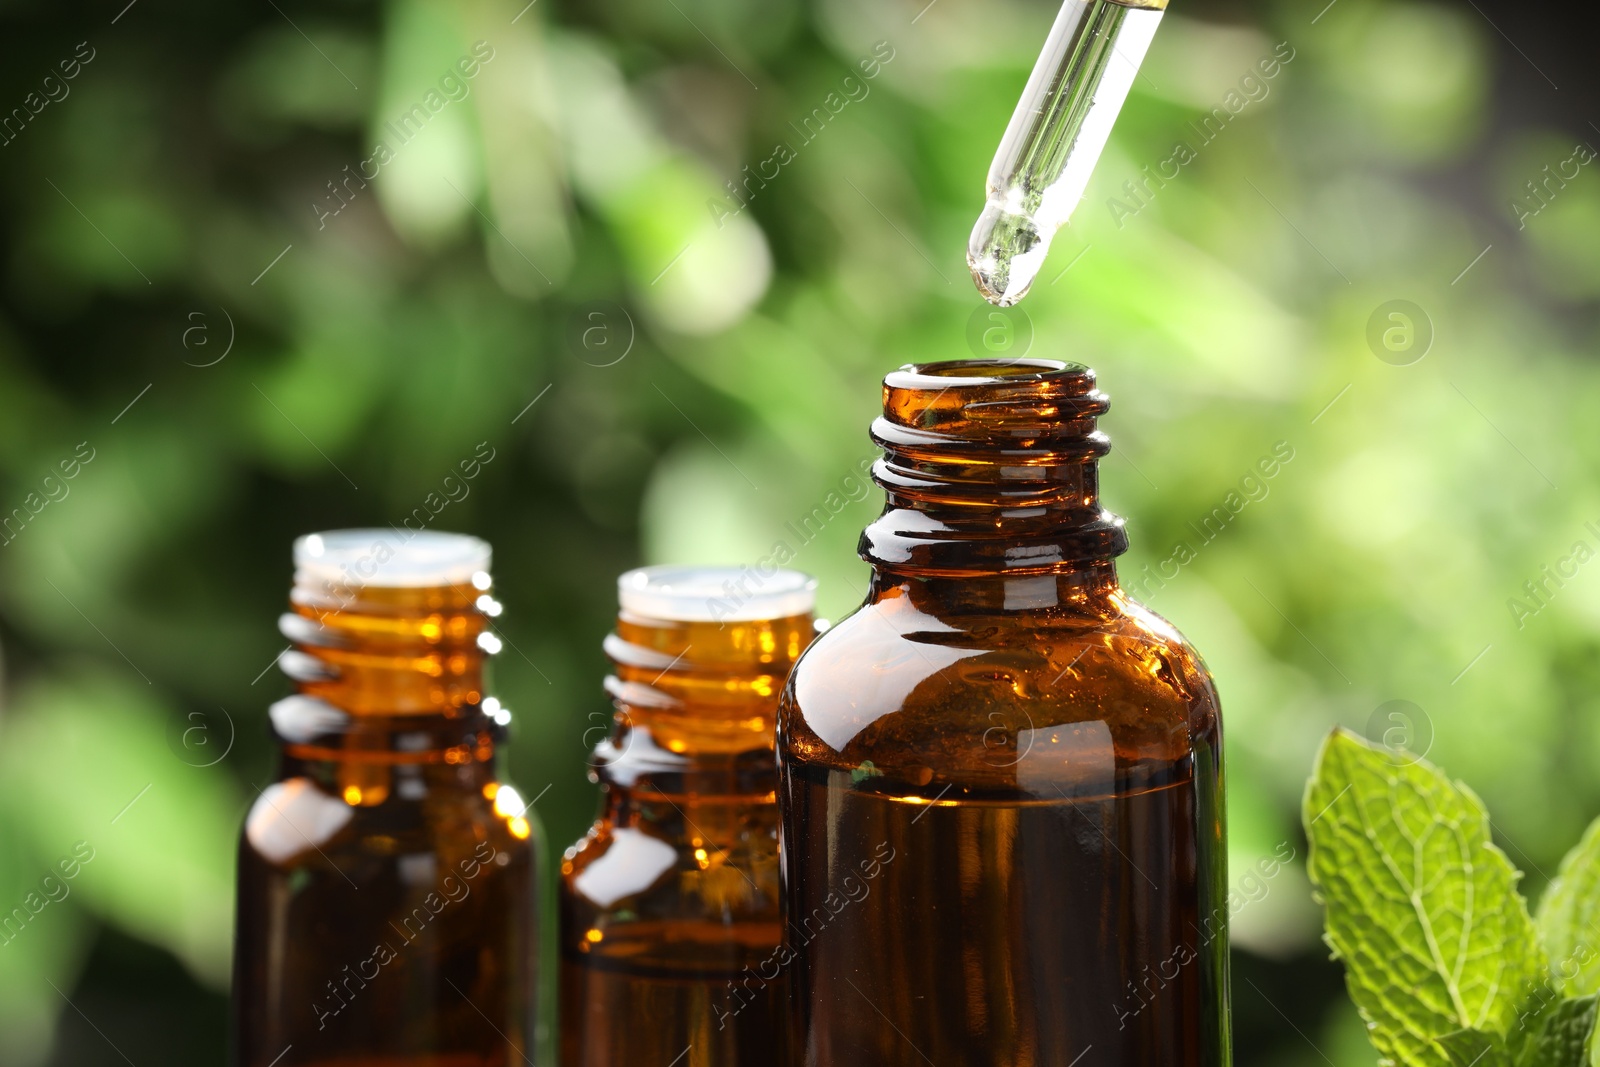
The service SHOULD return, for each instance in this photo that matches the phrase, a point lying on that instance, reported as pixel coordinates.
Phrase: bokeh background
(228, 340)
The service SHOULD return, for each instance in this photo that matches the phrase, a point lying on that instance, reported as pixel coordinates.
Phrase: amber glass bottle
(386, 908)
(1001, 777)
(670, 931)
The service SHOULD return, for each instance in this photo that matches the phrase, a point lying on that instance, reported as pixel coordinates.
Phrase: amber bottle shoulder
(295, 823)
(994, 698)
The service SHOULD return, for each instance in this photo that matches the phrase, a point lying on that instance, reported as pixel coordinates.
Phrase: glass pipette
(1055, 138)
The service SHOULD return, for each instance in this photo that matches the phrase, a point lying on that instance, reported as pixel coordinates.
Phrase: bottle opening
(955, 373)
(715, 594)
(987, 397)
(390, 559)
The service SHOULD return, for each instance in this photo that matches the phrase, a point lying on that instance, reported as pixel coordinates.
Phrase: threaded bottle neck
(390, 636)
(394, 652)
(991, 467)
(698, 671)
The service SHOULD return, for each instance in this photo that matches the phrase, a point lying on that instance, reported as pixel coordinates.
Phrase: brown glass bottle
(1001, 777)
(386, 910)
(670, 932)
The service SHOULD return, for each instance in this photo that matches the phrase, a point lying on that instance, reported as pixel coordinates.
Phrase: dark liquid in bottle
(1042, 930)
(708, 1005)
(412, 965)
(670, 933)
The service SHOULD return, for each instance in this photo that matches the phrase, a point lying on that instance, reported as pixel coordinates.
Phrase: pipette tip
(1005, 254)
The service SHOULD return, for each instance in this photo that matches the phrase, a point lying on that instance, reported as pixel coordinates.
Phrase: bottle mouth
(674, 593)
(389, 559)
(983, 398)
(988, 373)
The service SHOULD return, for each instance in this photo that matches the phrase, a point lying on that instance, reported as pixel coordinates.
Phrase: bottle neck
(1085, 589)
(389, 690)
(369, 758)
(991, 468)
(695, 708)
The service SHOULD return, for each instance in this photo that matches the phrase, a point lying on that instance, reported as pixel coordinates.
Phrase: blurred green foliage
(256, 337)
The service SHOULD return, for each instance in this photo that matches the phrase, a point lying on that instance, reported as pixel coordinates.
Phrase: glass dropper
(1055, 138)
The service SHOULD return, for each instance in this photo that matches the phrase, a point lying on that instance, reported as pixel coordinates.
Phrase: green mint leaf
(1562, 1036)
(1421, 906)
(1569, 918)
(1472, 1048)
